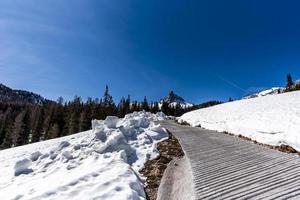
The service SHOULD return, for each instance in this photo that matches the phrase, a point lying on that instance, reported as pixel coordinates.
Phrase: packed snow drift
(102, 163)
(273, 120)
(272, 91)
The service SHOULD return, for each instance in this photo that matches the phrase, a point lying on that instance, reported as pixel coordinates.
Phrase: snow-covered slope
(274, 90)
(273, 120)
(99, 164)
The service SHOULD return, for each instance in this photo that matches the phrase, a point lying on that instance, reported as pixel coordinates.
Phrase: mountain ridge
(174, 99)
(9, 95)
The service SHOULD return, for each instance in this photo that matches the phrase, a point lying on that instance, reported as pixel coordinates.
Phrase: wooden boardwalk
(226, 167)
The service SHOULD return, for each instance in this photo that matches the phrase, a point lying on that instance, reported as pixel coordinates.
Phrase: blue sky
(203, 50)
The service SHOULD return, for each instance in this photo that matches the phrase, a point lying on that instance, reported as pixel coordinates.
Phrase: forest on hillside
(23, 123)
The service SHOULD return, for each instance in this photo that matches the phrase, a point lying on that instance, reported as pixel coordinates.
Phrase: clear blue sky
(208, 49)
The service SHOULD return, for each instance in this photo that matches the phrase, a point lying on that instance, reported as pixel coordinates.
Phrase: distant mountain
(9, 95)
(274, 90)
(173, 99)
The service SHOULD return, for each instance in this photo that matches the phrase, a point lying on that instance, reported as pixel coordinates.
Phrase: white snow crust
(102, 163)
(273, 120)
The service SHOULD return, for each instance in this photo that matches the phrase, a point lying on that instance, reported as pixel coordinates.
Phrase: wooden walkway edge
(226, 167)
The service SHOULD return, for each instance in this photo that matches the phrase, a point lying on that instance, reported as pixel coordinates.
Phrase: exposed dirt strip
(169, 149)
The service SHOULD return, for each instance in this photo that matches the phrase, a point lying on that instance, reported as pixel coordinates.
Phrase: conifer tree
(2, 123)
(84, 122)
(165, 107)
(107, 98)
(88, 108)
(171, 110)
(49, 112)
(66, 119)
(7, 129)
(108, 103)
(290, 82)
(37, 127)
(145, 105)
(178, 110)
(121, 107)
(60, 100)
(127, 105)
(134, 106)
(73, 123)
(21, 129)
(155, 107)
(54, 131)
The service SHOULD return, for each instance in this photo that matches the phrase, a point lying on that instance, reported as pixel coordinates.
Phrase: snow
(271, 91)
(34, 156)
(273, 120)
(182, 105)
(22, 167)
(173, 104)
(102, 163)
(174, 188)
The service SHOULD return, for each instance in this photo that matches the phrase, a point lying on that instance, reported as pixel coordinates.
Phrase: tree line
(22, 123)
(290, 84)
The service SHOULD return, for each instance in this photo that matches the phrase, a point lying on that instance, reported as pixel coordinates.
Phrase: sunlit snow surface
(273, 120)
(99, 164)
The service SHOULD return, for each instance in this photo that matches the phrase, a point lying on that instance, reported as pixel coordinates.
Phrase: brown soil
(154, 169)
(282, 148)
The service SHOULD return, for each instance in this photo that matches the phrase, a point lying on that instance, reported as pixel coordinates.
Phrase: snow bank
(273, 120)
(99, 164)
(272, 91)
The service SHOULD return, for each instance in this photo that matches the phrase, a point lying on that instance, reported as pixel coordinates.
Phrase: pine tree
(93, 110)
(21, 129)
(88, 108)
(37, 127)
(74, 115)
(297, 86)
(171, 110)
(66, 118)
(127, 105)
(48, 120)
(165, 107)
(58, 118)
(60, 100)
(100, 110)
(73, 124)
(290, 82)
(2, 123)
(155, 107)
(145, 105)
(108, 103)
(54, 131)
(84, 122)
(121, 107)
(178, 111)
(6, 135)
(107, 98)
